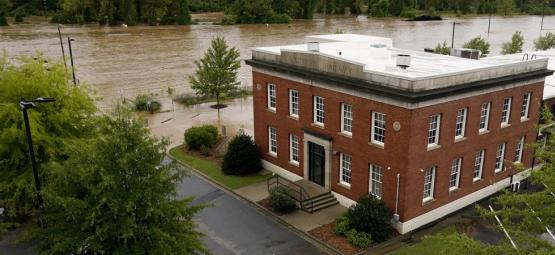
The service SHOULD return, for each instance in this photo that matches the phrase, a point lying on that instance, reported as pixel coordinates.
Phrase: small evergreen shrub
(342, 225)
(281, 200)
(242, 156)
(370, 215)
(359, 239)
(196, 137)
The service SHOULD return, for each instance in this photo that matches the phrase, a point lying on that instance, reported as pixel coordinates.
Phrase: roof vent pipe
(313, 46)
(403, 61)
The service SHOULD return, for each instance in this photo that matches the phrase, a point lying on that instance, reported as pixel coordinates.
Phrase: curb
(304, 235)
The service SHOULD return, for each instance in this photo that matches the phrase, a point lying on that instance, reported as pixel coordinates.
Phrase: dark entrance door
(316, 163)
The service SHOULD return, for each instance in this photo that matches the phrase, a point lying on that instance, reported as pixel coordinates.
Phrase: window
(455, 174)
(294, 149)
(505, 113)
(319, 110)
(378, 128)
(294, 103)
(345, 169)
(499, 157)
(525, 107)
(346, 118)
(519, 149)
(484, 117)
(460, 125)
(271, 96)
(272, 140)
(376, 180)
(429, 179)
(478, 165)
(433, 130)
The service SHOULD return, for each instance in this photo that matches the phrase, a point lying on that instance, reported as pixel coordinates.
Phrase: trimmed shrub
(370, 215)
(242, 156)
(281, 200)
(359, 239)
(196, 137)
(342, 225)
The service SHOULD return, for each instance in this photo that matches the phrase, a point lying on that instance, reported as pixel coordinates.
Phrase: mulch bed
(326, 234)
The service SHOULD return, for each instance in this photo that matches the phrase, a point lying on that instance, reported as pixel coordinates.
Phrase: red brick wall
(405, 151)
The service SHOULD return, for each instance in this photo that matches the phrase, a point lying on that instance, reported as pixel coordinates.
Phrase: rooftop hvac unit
(403, 61)
(466, 53)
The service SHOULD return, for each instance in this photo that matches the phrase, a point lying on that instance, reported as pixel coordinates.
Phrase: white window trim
(291, 159)
(315, 111)
(480, 172)
(527, 107)
(269, 95)
(463, 128)
(274, 153)
(432, 186)
(502, 156)
(349, 133)
(373, 129)
(341, 158)
(371, 180)
(436, 138)
(291, 104)
(505, 122)
(457, 180)
(520, 151)
(486, 121)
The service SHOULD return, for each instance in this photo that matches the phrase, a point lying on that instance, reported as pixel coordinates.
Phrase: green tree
(478, 43)
(128, 12)
(442, 48)
(154, 10)
(114, 195)
(505, 7)
(378, 8)
(54, 126)
(256, 12)
(545, 42)
(515, 45)
(5, 6)
(216, 73)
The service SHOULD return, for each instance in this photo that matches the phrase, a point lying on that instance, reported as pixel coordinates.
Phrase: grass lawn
(424, 246)
(213, 170)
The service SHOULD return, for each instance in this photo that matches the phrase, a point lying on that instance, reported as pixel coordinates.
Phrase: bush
(478, 43)
(242, 156)
(359, 239)
(281, 200)
(342, 225)
(146, 103)
(205, 151)
(196, 137)
(370, 215)
(545, 42)
(408, 13)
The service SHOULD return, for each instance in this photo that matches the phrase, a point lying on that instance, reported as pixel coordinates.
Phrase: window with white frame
(319, 110)
(478, 165)
(433, 129)
(346, 118)
(506, 112)
(294, 149)
(455, 174)
(345, 166)
(484, 117)
(499, 156)
(376, 180)
(525, 106)
(271, 96)
(429, 179)
(272, 140)
(294, 103)
(519, 149)
(378, 128)
(460, 124)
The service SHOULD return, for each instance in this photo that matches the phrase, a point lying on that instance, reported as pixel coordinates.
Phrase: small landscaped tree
(515, 45)
(242, 156)
(370, 215)
(216, 73)
(545, 42)
(478, 43)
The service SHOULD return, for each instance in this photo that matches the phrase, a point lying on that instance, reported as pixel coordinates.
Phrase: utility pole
(489, 21)
(62, 46)
(453, 36)
(69, 40)
(543, 14)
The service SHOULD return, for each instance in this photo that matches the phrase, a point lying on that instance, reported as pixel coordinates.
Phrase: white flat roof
(366, 50)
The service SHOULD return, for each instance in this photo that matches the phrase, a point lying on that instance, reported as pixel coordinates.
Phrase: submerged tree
(216, 73)
(114, 195)
(478, 43)
(515, 45)
(545, 42)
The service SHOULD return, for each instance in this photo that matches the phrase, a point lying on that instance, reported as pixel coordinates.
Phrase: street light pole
(24, 105)
(62, 46)
(69, 40)
(543, 14)
(489, 22)
(453, 36)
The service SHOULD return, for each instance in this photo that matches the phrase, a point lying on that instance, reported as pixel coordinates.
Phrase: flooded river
(122, 62)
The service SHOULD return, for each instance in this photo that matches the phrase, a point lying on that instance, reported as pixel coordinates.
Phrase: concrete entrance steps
(318, 197)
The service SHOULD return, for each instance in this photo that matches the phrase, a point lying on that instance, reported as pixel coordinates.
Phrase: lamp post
(453, 36)
(543, 14)
(490, 11)
(62, 46)
(24, 105)
(69, 40)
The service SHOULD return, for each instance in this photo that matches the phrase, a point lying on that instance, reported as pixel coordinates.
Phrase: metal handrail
(302, 193)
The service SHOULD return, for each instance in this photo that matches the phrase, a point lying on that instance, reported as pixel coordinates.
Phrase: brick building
(426, 133)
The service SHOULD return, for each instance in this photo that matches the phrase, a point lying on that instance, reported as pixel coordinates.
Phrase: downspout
(396, 215)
